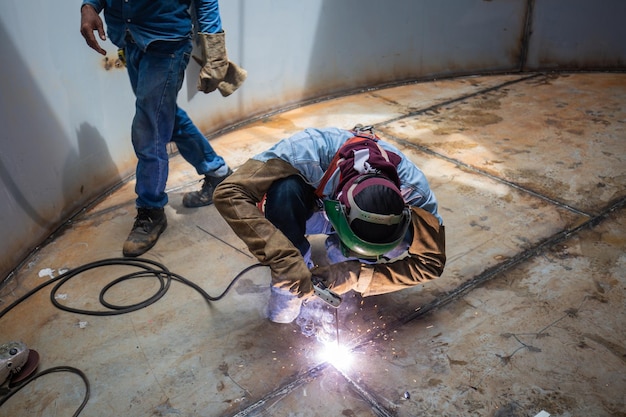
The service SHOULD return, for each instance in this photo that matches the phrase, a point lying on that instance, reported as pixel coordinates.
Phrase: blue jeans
(156, 76)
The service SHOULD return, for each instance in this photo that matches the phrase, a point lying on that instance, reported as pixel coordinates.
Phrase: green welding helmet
(341, 218)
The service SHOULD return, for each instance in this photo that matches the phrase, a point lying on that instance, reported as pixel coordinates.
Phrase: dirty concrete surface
(528, 317)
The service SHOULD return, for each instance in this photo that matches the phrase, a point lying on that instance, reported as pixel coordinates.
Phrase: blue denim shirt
(311, 151)
(150, 20)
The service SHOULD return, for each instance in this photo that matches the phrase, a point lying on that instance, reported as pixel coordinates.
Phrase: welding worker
(155, 42)
(380, 216)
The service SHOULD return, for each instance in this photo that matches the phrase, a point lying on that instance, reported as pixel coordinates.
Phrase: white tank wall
(65, 112)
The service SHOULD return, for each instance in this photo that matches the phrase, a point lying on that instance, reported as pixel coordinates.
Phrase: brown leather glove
(302, 287)
(217, 71)
(235, 76)
(305, 289)
(340, 277)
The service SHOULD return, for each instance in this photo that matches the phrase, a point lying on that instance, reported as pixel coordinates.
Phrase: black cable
(49, 371)
(149, 268)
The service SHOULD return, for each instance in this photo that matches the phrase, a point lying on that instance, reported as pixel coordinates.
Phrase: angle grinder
(17, 362)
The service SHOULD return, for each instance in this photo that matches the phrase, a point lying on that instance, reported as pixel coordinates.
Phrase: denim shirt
(311, 151)
(150, 20)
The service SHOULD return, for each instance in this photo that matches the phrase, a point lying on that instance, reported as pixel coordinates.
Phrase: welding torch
(322, 291)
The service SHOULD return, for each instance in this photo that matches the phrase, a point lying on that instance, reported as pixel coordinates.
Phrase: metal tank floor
(528, 318)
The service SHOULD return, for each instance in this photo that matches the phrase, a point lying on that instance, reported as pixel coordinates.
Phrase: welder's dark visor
(336, 213)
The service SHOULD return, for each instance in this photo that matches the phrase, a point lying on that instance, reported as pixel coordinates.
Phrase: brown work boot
(148, 226)
(204, 196)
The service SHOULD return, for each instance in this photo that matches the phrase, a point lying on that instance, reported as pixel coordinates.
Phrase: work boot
(204, 196)
(148, 226)
(283, 306)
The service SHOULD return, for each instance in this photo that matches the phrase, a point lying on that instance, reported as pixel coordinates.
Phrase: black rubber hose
(149, 268)
(49, 371)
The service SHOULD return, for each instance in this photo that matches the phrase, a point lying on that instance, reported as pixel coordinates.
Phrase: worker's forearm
(426, 260)
(236, 199)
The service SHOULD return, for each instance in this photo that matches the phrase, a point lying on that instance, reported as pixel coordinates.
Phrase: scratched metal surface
(528, 316)
(65, 112)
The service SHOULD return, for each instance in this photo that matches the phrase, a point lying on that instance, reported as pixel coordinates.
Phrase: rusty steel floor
(528, 319)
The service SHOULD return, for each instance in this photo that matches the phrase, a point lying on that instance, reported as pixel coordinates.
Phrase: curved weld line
(452, 295)
(488, 274)
(457, 99)
(465, 165)
(493, 177)
(514, 261)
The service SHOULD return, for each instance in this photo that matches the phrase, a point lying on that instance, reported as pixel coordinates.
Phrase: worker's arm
(425, 261)
(236, 199)
(208, 16)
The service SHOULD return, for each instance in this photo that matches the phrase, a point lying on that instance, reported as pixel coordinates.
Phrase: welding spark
(338, 356)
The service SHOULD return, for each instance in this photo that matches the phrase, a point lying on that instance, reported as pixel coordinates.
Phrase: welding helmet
(369, 216)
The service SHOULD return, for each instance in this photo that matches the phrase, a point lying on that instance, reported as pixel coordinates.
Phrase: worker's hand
(90, 21)
(340, 277)
(305, 289)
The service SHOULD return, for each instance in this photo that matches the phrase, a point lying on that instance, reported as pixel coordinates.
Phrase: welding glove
(283, 306)
(340, 277)
(301, 288)
(286, 299)
(217, 71)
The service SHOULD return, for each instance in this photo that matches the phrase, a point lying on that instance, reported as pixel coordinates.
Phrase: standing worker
(380, 216)
(155, 42)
